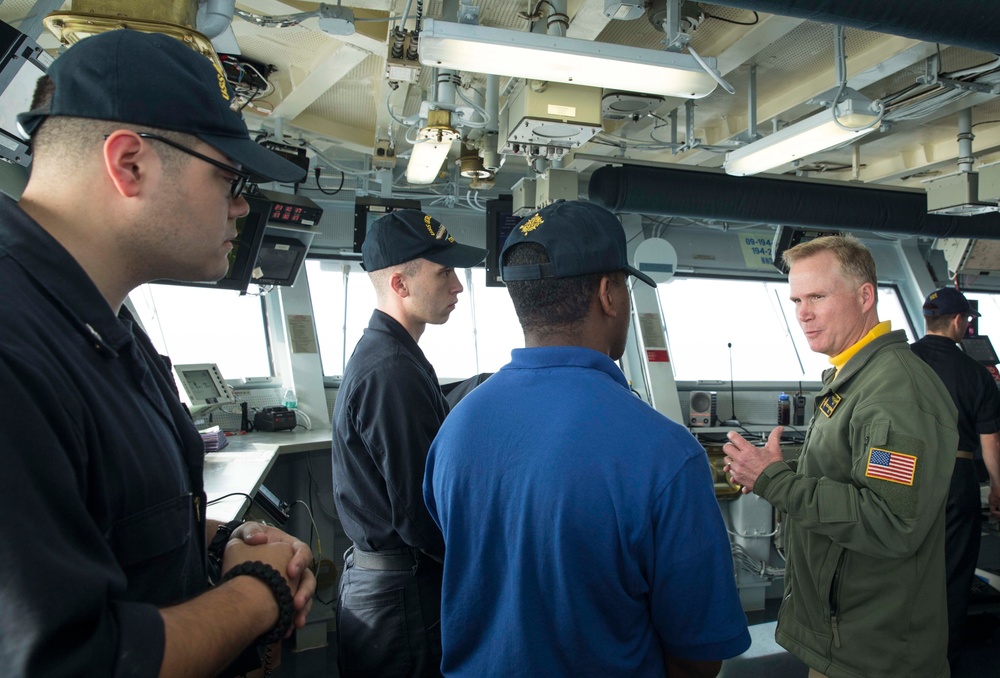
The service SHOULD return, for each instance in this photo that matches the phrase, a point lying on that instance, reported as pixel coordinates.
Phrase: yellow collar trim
(841, 359)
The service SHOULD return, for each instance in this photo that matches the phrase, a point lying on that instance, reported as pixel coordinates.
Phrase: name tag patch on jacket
(895, 467)
(829, 404)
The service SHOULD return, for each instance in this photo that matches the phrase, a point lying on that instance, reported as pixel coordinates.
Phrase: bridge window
(478, 336)
(989, 323)
(200, 325)
(704, 315)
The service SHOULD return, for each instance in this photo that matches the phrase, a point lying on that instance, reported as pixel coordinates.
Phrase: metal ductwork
(969, 23)
(709, 194)
(215, 16)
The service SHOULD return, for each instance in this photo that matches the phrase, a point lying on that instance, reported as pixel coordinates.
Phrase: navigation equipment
(500, 221)
(279, 260)
(243, 256)
(981, 349)
(22, 63)
(368, 209)
(203, 388)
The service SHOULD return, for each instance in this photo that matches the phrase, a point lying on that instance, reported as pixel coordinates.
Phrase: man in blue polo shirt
(582, 534)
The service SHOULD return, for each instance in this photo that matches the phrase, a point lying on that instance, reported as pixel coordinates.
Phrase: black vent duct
(705, 194)
(968, 23)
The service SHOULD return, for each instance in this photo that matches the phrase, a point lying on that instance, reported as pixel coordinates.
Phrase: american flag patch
(892, 466)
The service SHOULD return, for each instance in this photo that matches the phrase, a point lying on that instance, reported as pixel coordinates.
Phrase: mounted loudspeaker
(657, 258)
(702, 408)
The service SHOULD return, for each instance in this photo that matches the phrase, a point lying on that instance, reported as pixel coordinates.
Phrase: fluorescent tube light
(425, 161)
(431, 148)
(538, 56)
(814, 134)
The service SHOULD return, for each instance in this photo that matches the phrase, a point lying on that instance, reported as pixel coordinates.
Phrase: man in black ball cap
(388, 409)
(138, 173)
(947, 316)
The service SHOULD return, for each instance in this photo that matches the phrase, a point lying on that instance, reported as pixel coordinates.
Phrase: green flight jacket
(865, 576)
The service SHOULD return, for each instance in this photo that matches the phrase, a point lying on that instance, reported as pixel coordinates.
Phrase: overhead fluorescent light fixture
(537, 56)
(431, 149)
(815, 134)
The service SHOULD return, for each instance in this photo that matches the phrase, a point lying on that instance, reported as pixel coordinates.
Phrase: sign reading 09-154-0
(756, 246)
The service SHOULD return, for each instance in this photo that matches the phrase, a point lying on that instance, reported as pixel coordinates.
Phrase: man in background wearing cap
(105, 571)
(388, 409)
(947, 314)
(581, 528)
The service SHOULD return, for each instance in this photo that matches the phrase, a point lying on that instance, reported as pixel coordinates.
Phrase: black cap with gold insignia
(947, 300)
(579, 237)
(405, 235)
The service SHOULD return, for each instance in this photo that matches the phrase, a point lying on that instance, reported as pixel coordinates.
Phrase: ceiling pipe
(970, 23)
(492, 102)
(710, 194)
(488, 147)
(446, 83)
(215, 16)
(557, 21)
(965, 138)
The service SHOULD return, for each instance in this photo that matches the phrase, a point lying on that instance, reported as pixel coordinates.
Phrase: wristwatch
(218, 546)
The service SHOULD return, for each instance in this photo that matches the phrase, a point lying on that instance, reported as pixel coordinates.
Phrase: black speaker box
(702, 408)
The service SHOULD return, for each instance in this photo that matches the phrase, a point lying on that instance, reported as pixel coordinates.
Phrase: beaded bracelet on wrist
(283, 595)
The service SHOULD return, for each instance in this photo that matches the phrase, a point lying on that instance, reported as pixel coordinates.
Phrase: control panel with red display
(294, 210)
(295, 214)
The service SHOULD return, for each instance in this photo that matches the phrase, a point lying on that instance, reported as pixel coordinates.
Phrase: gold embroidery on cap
(442, 232)
(222, 80)
(531, 224)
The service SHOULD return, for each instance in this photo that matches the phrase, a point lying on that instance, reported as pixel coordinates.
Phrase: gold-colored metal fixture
(471, 165)
(176, 18)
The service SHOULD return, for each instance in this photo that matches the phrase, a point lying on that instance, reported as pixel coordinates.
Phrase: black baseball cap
(579, 237)
(947, 300)
(405, 235)
(154, 80)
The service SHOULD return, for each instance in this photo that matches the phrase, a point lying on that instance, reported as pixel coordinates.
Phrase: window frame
(685, 379)
(469, 302)
(163, 345)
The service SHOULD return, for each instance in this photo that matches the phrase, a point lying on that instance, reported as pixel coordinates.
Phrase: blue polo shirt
(582, 534)
(102, 470)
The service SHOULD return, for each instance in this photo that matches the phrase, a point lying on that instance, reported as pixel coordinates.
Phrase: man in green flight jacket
(864, 502)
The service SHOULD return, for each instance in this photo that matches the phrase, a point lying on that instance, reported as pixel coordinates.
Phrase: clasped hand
(286, 554)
